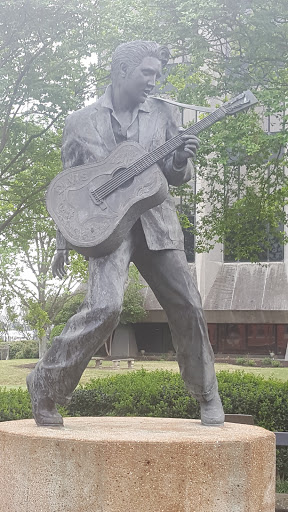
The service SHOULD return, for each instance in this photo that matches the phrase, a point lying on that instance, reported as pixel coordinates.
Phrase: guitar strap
(185, 105)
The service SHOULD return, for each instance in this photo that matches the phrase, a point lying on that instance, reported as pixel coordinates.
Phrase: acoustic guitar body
(95, 227)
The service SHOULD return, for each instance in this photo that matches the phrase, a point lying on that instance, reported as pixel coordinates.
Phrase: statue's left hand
(58, 264)
(187, 150)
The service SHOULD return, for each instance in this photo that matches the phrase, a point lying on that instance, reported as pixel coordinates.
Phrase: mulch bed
(256, 359)
(28, 365)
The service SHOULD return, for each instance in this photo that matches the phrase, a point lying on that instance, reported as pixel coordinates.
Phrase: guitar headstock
(244, 100)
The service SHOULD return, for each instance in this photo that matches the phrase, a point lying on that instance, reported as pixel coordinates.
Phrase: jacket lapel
(101, 120)
(147, 124)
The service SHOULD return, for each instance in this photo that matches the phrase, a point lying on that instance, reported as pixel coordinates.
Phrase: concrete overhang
(241, 293)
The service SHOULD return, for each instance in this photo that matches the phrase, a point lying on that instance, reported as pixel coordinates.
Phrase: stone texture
(136, 464)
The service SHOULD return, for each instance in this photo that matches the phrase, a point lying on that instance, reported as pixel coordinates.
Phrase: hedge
(14, 404)
(24, 349)
(162, 394)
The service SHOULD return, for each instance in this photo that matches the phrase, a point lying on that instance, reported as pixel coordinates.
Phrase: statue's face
(139, 82)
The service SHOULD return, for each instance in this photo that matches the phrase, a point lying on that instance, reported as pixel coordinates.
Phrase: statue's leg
(58, 373)
(168, 274)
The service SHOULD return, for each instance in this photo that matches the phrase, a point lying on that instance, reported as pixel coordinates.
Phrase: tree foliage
(133, 304)
(55, 55)
(242, 188)
(44, 75)
(26, 279)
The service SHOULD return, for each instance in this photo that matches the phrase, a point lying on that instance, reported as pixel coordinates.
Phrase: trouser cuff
(206, 397)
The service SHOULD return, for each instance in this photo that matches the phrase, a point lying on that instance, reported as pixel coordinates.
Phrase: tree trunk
(42, 346)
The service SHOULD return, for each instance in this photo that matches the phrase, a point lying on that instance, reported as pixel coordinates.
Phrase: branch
(16, 290)
(23, 205)
(15, 89)
(32, 137)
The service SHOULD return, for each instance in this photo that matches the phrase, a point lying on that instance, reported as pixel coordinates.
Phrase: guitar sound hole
(121, 172)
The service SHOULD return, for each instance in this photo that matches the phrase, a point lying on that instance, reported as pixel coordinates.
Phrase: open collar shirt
(120, 134)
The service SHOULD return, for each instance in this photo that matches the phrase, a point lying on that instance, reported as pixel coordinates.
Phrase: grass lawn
(12, 373)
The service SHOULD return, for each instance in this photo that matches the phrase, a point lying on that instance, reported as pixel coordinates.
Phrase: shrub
(57, 329)
(25, 349)
(275, 363)
(282, 486)
(267, 361)
(241, 361)
(14, 404)
(162, 393)
(15, 347)
(250, 362)
(158, 394)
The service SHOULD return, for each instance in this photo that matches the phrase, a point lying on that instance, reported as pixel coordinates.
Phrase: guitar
(95, 205)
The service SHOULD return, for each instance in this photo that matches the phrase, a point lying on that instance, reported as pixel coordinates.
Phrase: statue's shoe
(212, 413)
(43, 408)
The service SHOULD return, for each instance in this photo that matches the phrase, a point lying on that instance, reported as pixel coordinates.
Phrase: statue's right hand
(58, 264)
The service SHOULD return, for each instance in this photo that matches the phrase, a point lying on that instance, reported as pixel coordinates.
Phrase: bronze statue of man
(155, 243)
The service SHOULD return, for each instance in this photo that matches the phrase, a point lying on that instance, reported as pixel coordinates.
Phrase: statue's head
(136, 66)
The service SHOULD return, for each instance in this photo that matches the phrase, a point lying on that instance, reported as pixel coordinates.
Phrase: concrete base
(136, 465)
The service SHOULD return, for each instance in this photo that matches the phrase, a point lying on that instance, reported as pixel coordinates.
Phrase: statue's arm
(73, 145)
(178, 167)
(71, 155)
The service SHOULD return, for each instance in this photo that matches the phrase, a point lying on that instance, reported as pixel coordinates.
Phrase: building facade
(246, 304)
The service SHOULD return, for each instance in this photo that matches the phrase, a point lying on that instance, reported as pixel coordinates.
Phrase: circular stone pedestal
(136, 465)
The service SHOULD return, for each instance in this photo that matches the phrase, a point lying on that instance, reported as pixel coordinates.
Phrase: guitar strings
(144, 162)
(147, 160)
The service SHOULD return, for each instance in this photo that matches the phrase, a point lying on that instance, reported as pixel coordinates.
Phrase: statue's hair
(134, 52)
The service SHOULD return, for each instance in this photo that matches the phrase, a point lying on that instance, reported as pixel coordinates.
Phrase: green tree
(25, 272)
(53, 56)
(226, 48)
(133, 304)
(221, 49)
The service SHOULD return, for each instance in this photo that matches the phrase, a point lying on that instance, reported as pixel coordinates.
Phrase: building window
(261, 337)
(282, 339)
(213, 336)
(153, 338)
(232, 338)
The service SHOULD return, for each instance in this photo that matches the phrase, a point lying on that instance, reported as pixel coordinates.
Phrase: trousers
(166, 271)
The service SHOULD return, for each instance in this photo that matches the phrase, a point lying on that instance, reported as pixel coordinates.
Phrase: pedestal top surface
(136, 429)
